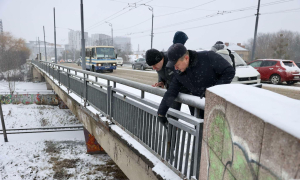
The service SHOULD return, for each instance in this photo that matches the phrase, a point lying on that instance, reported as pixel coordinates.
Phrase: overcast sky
(204, 21)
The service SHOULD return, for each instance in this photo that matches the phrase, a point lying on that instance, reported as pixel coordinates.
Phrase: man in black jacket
(158, 60)
(196, 71)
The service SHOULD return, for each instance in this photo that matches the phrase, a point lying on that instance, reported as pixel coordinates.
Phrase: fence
(179, 147)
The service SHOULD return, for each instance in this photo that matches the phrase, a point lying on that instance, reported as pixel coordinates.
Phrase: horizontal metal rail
(44, 131)
(43, 128)
(179, 146)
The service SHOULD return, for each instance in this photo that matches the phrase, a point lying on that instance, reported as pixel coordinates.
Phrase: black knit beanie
(153, 57)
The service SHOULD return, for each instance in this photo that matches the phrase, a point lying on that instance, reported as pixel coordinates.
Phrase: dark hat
(175, 52)
(180, 37)
(153, 57)
(219, 42)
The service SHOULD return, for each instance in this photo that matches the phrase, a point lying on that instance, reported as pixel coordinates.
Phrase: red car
(277, 70)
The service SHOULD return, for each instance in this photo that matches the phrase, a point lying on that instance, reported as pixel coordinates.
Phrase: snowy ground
(25, 88)
(57, 155)
(30, 116)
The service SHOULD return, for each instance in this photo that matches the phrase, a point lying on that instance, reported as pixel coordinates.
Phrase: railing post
(142, 94)
(85, 89)
(58, 70)
(109, 94)
(68, 76)
(197, 145)
(3, 124)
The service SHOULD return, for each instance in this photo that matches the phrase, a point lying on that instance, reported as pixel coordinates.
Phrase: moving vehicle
(244, 74)
(120, 61)
(277, 70)
(298, 64)
(69, 60)
(100, 58)
(140, 63)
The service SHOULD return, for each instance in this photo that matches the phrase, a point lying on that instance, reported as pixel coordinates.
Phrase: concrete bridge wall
(239, 145)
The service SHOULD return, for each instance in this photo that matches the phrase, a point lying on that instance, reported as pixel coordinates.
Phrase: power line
(107, 17)
(133, 25)
(185, 9)
(284, 11)
(213, 15)
(208, 24)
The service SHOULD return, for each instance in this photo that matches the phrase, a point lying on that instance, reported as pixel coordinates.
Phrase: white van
(120, 61)
(244, 74)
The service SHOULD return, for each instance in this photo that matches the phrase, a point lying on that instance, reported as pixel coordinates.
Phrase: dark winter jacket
(206, 69)
(166, 75)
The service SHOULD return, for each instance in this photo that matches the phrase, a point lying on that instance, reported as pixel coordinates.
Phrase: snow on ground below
(55, 155)
(31, 116)
(25, 88)
(54, 160)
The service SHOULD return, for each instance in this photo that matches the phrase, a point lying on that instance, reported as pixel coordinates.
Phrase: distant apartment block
(74, 38)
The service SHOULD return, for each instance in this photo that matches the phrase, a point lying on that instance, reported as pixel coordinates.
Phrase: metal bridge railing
(179, 147)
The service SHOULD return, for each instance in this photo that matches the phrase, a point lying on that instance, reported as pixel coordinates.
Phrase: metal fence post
(109, 93)
(85, 89)
(2, 122)
(68, 76)
(197, 145)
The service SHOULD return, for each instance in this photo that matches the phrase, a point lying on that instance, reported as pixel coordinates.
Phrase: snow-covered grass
(56, 155)
(31, 116)
(54, 160)
(25, 88)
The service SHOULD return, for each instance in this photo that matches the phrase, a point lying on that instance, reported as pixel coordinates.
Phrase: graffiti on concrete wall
(5, 99)
(45, 99)
(228, 159)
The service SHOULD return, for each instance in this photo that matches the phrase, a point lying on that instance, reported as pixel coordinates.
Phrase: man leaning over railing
(196, 71)
(158, 60)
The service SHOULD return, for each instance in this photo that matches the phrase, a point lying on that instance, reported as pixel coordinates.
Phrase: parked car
(298, 64)
(140, 63)
(61, 61)
(244, 74)
(277, 70)
(70, 60)
(120, 61)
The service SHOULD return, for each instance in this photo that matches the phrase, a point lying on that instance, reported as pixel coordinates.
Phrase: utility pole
(112, 34)
(255, 32)
(39, 49)
(83, 64)
(45, 44)
(55, 37)
(3, 125)
(151, 9)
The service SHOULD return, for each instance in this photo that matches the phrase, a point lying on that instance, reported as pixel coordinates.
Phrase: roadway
(146, 77)
(150, 77)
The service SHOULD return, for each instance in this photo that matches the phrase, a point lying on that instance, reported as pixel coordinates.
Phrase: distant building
(35, 48)
(101, 40)
(1, 26)
(74, 38)
(123, 43)
(239, 49)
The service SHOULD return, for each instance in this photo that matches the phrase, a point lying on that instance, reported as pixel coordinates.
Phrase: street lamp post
(151, 9)
(112, 32)
(83, 64)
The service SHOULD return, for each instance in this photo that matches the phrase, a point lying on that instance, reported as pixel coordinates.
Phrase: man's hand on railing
(159, 84)
(163, 120)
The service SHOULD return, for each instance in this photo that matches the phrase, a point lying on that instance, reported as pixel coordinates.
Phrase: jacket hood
(223, 51)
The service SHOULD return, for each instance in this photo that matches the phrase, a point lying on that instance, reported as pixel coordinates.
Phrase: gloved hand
(163, 120)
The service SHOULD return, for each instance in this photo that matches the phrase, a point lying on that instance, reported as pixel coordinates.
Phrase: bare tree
(281, 45)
